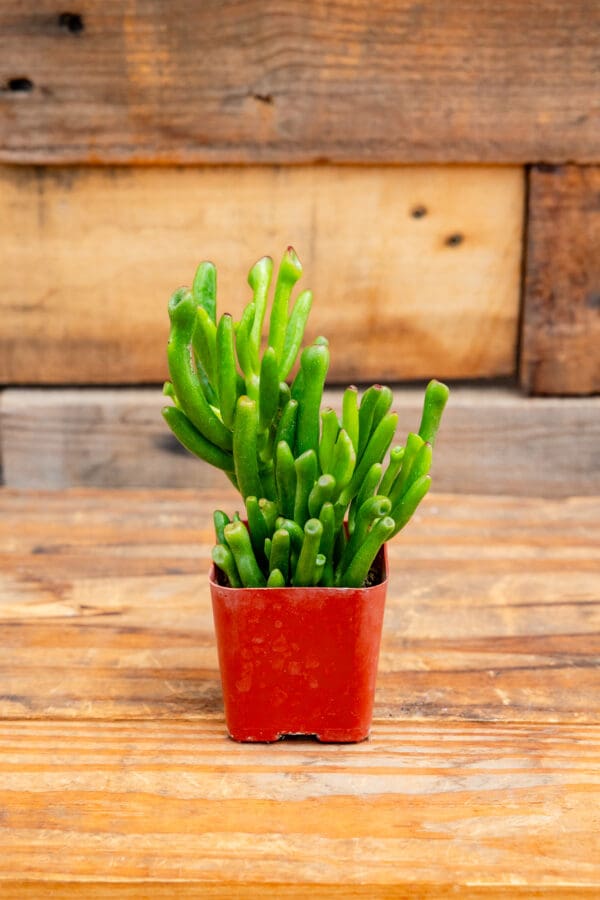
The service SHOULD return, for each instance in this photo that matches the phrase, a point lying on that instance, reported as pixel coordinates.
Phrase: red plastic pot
(299, 660)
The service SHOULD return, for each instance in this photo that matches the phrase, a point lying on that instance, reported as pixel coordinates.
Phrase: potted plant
(298, 582)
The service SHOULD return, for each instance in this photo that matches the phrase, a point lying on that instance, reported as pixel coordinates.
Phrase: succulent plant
(322, 495)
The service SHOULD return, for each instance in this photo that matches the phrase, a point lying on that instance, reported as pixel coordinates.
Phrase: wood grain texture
(481, 778)
(90, 257)
(492, 614)
(493, 441)
(561, 321)
(226, 890)
(499, 806)
(250, 81)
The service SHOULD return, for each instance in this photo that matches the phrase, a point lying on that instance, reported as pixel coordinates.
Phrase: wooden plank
(493, 441)
(202, 890)
(423, 810)
(257, 81)
(399, 296)
(196, 890)
(561, 321)
(116, 778)
(493, 609)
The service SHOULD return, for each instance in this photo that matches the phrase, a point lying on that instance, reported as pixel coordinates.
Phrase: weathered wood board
(425, 806)
(492, 611)
(257, 81)
(481, 777)
(560, 347)
(415, 270)
(492, 441)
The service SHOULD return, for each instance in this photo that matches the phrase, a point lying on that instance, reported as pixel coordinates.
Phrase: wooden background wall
(436, 165)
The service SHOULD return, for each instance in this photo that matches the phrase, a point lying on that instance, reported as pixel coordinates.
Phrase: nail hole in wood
(417, 212)
(72, 22)
(20, 85)
(453, 240)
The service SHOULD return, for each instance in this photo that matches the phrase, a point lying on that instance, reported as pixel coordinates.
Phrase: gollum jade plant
(301, 471)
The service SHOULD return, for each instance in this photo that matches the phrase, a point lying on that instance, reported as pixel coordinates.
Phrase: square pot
(299, 660)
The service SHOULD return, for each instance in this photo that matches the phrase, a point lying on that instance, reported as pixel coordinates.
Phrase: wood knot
(264, 98)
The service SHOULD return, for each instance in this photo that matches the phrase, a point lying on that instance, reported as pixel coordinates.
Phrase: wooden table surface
(482, 775)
